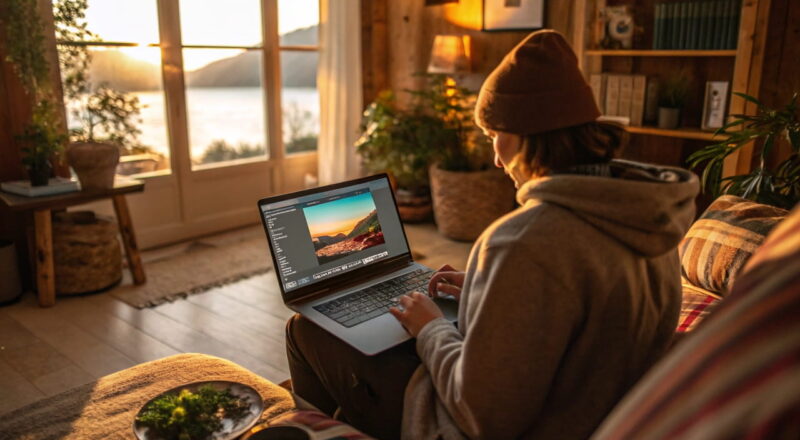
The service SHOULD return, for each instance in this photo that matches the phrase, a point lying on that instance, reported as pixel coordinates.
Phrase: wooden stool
(42, 208)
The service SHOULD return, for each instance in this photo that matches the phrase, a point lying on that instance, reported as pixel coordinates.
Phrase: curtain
(339, 84)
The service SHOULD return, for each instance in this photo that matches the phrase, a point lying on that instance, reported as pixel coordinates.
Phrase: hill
(363, 226)
(123, 72)
(298, 69)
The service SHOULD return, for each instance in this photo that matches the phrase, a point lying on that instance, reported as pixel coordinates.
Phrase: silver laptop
(342, 259)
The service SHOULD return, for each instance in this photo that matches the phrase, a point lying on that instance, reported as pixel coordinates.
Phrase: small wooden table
(42, 213)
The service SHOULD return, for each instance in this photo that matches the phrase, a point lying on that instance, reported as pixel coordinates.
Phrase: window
(298, 22)
(222, 67)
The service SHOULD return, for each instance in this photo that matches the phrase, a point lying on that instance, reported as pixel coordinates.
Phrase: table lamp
(450, 54)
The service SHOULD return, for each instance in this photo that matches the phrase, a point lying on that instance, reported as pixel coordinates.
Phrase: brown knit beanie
(536, 88)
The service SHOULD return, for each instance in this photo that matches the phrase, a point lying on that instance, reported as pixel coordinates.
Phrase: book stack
(56, 185)
(697, 25)
(620, 96)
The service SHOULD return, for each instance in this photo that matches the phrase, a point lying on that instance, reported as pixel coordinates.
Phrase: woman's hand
(446, 280)
(417, 310)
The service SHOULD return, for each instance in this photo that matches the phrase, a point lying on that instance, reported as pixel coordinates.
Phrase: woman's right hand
(446, 280)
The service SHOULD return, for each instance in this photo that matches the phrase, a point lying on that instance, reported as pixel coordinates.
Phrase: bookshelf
(681, 133)
(661, 53)
(741, 67)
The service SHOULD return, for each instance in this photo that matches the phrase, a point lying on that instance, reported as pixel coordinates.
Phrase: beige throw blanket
(105, 409)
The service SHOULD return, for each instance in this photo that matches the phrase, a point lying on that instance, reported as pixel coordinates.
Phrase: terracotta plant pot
(465, 203)
(414, 207)
(95, 163)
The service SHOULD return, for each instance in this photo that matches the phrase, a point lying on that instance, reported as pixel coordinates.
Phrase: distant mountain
(326, 240)
(363, 226)
(298, 69)
(123, 72)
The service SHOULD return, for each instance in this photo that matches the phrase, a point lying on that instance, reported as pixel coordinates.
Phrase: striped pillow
(719, 243)
(696, 304)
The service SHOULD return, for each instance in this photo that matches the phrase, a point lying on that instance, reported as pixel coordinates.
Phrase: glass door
(210, 133)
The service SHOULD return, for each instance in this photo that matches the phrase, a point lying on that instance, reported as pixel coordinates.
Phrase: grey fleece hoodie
(566, 303)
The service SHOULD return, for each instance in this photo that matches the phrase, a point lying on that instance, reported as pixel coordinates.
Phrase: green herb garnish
(191, 416)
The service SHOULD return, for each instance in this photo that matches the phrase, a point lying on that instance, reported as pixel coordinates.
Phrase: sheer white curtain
(339, 84)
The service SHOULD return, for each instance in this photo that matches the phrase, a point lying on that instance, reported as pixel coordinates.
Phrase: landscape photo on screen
(343, 226)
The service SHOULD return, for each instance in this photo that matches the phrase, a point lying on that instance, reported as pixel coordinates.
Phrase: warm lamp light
(450, 54)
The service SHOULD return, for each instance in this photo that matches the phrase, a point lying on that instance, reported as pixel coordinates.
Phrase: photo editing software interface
(321, 235)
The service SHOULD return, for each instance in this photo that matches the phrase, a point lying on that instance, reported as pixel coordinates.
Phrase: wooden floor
(46, 351)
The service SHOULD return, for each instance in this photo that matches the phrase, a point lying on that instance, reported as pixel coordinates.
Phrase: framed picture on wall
(513, 15)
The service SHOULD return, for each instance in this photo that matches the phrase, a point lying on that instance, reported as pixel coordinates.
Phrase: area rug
(202, 267)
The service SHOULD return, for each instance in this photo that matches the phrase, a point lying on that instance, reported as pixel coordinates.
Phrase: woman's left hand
(417, 310)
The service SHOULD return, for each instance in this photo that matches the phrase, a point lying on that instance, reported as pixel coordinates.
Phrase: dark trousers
(329, 373)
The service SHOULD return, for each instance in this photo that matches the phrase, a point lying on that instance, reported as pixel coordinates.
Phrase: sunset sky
(203, 22)
(339, 216)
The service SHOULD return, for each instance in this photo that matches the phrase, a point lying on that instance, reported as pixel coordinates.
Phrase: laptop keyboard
(374, 301)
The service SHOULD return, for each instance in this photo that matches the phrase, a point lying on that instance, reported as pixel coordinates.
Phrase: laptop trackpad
(449, 307)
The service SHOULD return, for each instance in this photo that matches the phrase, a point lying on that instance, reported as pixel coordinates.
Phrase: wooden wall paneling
(412, 26)
(780, 76)
(404, 30)
(374, 49)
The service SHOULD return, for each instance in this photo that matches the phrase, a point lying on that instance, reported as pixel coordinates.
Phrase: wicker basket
(86, 253)
(465, 203)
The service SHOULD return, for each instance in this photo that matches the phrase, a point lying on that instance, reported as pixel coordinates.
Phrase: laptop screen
(325, 233)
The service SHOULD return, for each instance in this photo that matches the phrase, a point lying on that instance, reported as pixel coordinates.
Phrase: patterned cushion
(737, 375)
(695, 306)
(719, 243)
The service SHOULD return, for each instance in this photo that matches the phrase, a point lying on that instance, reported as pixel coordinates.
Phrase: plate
(230, 428)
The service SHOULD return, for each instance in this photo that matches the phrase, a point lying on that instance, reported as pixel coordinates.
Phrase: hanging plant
(42, 139)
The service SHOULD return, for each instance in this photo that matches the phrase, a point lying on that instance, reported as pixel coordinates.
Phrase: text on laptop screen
(321, 235)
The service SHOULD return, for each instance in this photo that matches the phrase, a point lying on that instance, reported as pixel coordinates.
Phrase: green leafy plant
(41, 138)
(398, 141)
(463, 146)
(674, 92)
(438, 127)
(189, 416)
(778, 185)
(108, 115)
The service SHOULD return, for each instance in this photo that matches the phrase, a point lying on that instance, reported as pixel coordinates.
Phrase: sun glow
(202, 22)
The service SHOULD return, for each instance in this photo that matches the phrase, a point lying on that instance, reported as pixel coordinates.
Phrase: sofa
(733, 374)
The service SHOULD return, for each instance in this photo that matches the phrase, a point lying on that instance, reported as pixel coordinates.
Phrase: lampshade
(450, 54)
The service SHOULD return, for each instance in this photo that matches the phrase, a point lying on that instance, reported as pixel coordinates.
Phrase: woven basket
(465, 203)
(86, 253)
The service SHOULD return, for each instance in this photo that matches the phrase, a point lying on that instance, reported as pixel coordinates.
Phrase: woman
(565, 302)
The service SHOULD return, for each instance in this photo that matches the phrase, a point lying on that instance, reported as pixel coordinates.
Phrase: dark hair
(585, 144)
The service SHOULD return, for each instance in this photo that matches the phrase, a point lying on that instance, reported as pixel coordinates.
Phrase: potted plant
(671, 100)
(397, 141)
(108, 124)
(42, 138)
(771, 181)
(469, 193)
